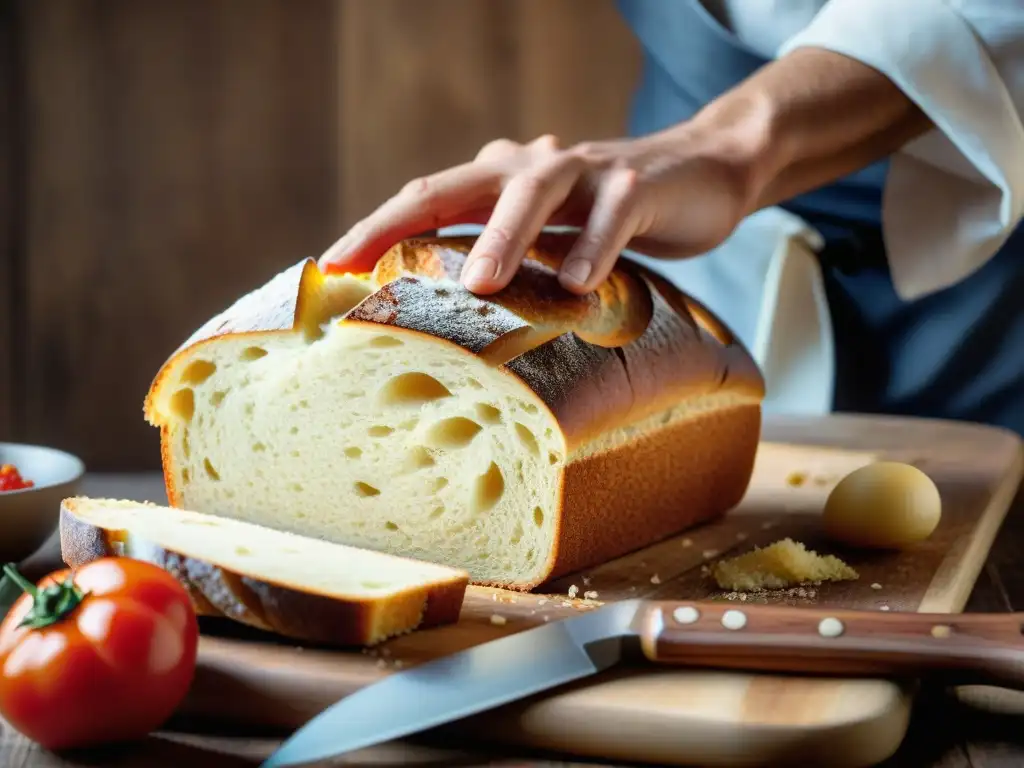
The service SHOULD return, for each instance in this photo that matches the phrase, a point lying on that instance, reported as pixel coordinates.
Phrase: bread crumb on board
(498, 620)
(785, 563)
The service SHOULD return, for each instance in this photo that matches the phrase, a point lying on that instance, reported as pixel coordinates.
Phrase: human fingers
(614, 220)
(527, 203)
(463, 194)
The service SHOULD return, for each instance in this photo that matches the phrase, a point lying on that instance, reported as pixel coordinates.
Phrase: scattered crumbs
(707, 554)
(494, 596)
(590, 595)
(542, 601)
(499, 620)
(884, 608)
(876, 585)
(796, 479)
(741, 536)
(567, 604)
(547, 618)
(381, 663)
(687, 542)
(655, 579)
(399, 663)
(586, 581)
(705, 570)
(573, 591)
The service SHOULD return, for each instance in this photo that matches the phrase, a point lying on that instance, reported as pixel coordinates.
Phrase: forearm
(804, 121)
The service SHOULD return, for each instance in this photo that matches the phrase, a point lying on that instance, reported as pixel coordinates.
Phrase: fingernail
(577, 271)
(480, 271)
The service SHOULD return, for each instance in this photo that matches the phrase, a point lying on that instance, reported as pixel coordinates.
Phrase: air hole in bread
(517, 534)
(380, 431)
(210, 470)
(365, 489)
(374, 585)
(409, 424)
(418, 458)
(528, 407)
(293, 431)
(474, 384)
(259, 447)
(488, 414)
(391, 526)
(538, 517)
(436, 512)
(488, 489)
(197, 372)
(527, 439)
(294, 453)
(353, 452)
(248, 408)
(243, 551)
(383, 342)
(186, 477)
(186, 445)
(553, 458)
(183, 403)
(253, 353)
(412, 388)
(456, 432)
(297, 487)
(438, 483)
(218, 397)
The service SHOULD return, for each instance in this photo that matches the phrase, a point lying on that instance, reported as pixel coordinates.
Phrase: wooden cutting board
(673, 716)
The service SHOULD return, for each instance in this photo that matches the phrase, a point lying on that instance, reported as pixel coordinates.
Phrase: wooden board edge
(966, 569)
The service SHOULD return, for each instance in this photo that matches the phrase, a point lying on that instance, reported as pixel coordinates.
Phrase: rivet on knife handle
(961, 648)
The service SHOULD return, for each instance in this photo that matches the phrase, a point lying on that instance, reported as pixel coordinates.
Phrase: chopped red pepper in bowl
(11, 479)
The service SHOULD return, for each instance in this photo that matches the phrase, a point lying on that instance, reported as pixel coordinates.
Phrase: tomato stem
(51, 603)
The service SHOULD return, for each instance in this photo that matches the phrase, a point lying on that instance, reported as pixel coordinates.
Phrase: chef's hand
(673, 193)
(802, 121)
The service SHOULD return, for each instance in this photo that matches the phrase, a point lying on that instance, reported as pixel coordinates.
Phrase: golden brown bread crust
(638, 361)
(290, 612)
(683, 352)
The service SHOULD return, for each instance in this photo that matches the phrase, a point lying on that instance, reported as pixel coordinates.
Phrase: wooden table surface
(950, 729)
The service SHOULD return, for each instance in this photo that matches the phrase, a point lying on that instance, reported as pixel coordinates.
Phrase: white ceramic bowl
(29, 516)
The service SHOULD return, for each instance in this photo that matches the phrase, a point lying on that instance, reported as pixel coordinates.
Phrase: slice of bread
(520, 436)
(294, 586)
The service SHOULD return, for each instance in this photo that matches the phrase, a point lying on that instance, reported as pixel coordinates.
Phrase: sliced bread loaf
(518, 436)
(280, 582)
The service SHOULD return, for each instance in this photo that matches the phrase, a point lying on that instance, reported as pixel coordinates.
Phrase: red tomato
(106, 657)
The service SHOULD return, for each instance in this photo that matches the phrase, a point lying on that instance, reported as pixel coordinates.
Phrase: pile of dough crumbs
(786, 563)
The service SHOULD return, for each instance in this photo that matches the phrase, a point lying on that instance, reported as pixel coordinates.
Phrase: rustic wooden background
(160, 157)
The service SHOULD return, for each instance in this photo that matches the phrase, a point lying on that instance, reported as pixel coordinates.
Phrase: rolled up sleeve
(954, 195)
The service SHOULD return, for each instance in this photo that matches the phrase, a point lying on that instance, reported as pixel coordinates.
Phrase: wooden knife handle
(959, 648)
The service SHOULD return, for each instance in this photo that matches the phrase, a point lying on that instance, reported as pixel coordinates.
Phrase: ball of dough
(885, 505)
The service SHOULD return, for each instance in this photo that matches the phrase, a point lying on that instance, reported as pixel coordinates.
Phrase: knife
(956, 648)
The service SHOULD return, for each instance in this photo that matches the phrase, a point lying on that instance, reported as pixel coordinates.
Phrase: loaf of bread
(520, 436)
(295, 586)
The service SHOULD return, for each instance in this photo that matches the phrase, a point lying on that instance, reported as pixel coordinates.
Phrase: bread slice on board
(294, 586)
(519, 436)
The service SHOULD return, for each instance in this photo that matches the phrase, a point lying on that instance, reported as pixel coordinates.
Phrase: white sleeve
(955, 194)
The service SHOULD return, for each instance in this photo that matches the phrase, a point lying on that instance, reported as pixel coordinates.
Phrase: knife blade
(980, 648)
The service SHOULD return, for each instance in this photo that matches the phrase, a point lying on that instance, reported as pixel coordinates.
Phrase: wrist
(739, 131)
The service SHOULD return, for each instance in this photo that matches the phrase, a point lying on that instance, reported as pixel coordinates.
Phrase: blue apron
(956, 354)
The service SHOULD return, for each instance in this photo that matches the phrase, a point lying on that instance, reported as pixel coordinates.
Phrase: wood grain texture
(423, 86)
(11, 254)
(181, 154)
